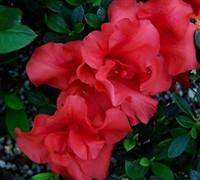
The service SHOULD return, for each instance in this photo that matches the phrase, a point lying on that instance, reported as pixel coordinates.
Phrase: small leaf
(134, 170)
(129, 144)
(9, 17)
(145, 162)
(183, 105)
(185, 121)
(75, 2)
(193, 132)
(77, 15)
(78, 28)
(101, 13)
(178, 146)
(56, 23)
(16, 38)
(161, 110)
(93, 20)
(13, 102)
(197, 38)
(198, 94)
(53, 37)
(162, 149)
(53, 5)
(45, 176)
(14, 119)
(162, 171)
(176, 132)
(194, 175)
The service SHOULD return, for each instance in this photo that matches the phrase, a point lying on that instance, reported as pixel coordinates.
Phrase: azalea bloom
(75, 141)
(54, 64)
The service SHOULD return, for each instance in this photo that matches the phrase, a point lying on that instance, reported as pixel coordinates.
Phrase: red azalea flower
(74, 138)
(54, 64)
(120, 62)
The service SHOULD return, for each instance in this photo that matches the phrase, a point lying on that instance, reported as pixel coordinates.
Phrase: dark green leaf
(191, 147)
(9, 17)
(193, 132)
(96, 3)
(134, 170)
(101, 13)
(78, 28)
(53, 5)
(176, 132)
(197, 38)
(185, 121)
(183, 105)
(75, 2)
(161, 110)
(129, 144)
(90, 1)
(14, 119)
(162, 149)
(45, 176)
(56, 23)
(198, 94)
(178, 146)
(77, 15)
(145, 162)
(194, 175)
(53, 37)
(162, 171)
(13, 102)
(39, 99)
(93, 20)
(16, 38)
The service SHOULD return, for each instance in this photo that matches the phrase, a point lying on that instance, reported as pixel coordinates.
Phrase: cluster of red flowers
(106, 82)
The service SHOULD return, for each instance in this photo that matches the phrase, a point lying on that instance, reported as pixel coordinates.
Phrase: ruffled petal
(120, 9)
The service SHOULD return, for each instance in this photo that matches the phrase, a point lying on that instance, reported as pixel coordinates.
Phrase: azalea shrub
(103, 89)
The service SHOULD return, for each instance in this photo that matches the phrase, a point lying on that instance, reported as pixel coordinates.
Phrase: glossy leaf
(145, 162)
(16, 38)
(185, 121)
(178, 146)
(162, 171)
(129, 144)
(56, 23)
(134, 170)
(161, 110)
(16, 118)
(45, 176)
(194, 175)
(77, 15)
(13, 102)
(193, 132)
(78, 28)
(75, 2)
(183, 105)
(53, 5)
(9, 17)
(93, 20)
(101, 13)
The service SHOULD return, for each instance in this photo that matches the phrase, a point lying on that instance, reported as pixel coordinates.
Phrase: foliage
(166, 148)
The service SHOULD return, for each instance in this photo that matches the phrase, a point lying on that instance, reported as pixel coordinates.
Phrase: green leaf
(39, 99)
(89, 1)
(96, 3)
(161, 110)
(162, 171)
(193, 132)
(45, 176)
(77, 15)
(194, 175)
(129, 144)
(78, 28)
(145, 162)
(198, 94)
(197, 38)
(14, 119)
(13, 102)
(176, 132)
(178, 146)
(162, 149)
(134, 170)
(183, 105)
(9, 17)
(75, 2)
(16, 38)
(53, 5)
(185, 121)
(93, 20)
(53, 37)
(101, 13)
(56, 23)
